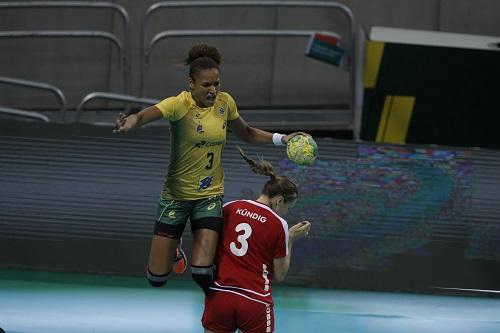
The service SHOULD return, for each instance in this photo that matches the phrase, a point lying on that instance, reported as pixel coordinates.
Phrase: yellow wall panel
(395, 119)
(373, 58)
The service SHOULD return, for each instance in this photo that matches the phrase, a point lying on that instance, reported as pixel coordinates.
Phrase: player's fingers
(304, 230)
(305, 227)
(295, 229)
(121, 117)
(303, 233)
(291, 135)
(301, 228)
(298, 133)
(304, 224)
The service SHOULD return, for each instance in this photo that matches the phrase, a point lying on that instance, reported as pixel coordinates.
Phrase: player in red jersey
(254, 249)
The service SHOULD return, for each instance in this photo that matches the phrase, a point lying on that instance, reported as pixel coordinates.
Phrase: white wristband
(277, 139)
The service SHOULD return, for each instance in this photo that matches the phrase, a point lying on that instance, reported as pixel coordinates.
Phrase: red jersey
(252, 236)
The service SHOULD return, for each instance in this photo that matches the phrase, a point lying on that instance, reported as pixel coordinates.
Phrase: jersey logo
(205, 183)
(199, 128)
(204, 143)
(200, 144)
(221, 111)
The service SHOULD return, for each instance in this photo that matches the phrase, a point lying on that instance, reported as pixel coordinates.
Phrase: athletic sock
(203, 276)
(157, 280)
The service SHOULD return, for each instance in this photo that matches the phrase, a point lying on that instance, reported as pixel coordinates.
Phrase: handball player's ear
(275, 202)
(191, 82)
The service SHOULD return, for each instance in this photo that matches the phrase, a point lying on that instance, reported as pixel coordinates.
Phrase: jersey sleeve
(281, 248)
(233, 109)
(171, 108)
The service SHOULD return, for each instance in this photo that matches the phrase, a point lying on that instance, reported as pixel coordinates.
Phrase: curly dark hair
(202, 56)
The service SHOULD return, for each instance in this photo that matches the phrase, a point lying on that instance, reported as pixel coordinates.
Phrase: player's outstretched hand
(124, 123)
(299, 230)
(291, 135)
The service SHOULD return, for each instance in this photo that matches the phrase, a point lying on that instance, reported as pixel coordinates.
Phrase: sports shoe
(180, 261)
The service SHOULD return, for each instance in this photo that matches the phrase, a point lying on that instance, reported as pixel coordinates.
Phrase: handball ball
(302, 149)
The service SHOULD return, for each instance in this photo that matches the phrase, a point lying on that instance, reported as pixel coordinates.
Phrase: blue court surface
(44, 302)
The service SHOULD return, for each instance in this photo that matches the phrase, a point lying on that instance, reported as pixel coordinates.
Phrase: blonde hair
(277, 185)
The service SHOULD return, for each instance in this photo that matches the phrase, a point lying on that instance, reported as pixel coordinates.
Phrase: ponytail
(277, 185)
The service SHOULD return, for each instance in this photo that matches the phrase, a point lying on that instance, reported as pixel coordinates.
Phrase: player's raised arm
(125, 123)
(249, 134)
(254, 135)
(281, 265)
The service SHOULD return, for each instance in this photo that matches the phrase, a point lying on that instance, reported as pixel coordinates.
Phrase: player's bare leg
(161, 258)
(204, 246)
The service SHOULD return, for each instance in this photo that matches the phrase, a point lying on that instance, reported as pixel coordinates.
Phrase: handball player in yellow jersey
(194, 183)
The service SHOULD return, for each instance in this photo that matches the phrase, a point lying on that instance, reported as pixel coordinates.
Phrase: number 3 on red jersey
(242, 240)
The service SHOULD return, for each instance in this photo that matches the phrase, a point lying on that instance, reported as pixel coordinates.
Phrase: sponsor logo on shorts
(211, 206)
(268, 318)
(171, 214)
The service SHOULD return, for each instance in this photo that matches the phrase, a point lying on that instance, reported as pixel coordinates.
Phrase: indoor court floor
(44, 302)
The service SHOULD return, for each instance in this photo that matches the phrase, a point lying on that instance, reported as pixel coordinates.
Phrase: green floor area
(44, 302)
(73, 279)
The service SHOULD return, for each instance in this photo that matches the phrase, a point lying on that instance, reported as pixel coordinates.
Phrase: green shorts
(172, 215)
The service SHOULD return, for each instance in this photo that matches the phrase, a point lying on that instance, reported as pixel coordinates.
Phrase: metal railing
(41, 86)
(351, 46)
(124, 47)
(213, 33)
(111, 97)
(24, 114)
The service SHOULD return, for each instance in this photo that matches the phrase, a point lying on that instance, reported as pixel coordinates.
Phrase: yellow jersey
(197, 137)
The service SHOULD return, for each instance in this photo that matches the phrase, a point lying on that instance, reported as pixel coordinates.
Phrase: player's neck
(264, 199)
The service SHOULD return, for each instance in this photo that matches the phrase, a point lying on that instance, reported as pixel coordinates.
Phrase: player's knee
(156, 280)
(203, 276)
